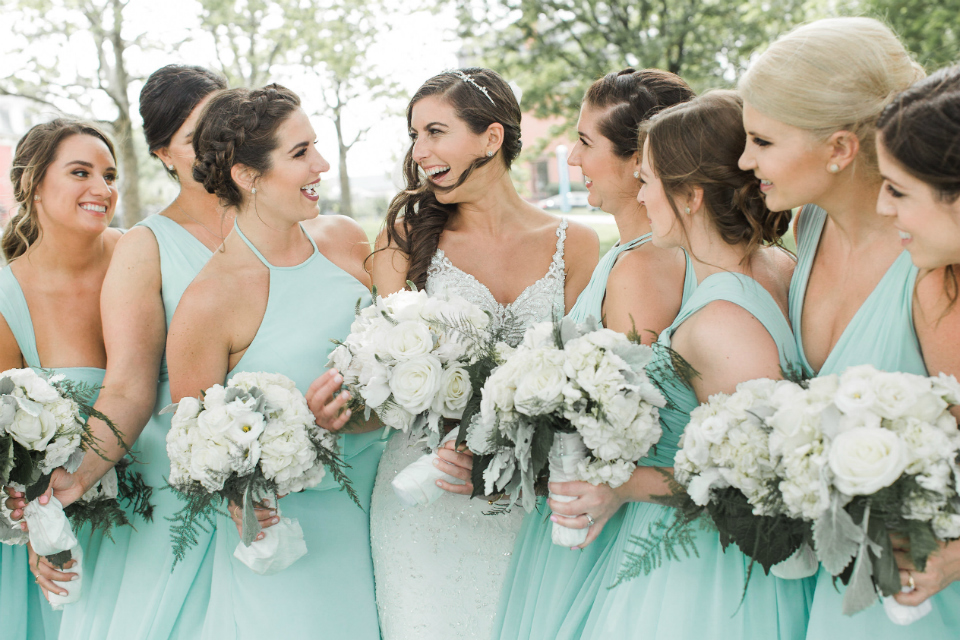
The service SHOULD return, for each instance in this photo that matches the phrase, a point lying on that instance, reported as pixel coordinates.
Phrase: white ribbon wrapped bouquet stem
(566, 453)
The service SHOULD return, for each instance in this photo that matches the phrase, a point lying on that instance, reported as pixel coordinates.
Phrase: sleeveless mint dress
(132, 593)
(329, 592)
(24, 612)
(544, 579)
(696, 598)
(881, 333)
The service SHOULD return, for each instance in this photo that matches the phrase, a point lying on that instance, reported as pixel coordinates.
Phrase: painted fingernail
(436, 462)
(348, 413)
(74, 577)
(273, 513)
(553, 518)
(574, 548)
(439, 484)
(338, 378)
(63, 594)
(260, 537)
(275, 520)
(44, 499)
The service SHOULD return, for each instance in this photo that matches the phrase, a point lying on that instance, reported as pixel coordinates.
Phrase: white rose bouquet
(249, 441)
(43, 426)
(824, 471)
(573, 401)
(418, 361)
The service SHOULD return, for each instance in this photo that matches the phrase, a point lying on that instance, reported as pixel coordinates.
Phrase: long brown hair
(921, 130)
(480, 97)
(36, 151)
(698, 144)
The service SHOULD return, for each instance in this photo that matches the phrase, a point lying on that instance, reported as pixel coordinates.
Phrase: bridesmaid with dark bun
(57, 246)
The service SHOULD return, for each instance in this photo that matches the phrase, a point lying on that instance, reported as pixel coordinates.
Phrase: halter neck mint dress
(544, 579)
(329, 592)
(695, 598)
(881, 333)
(24, 612)
(131, 592)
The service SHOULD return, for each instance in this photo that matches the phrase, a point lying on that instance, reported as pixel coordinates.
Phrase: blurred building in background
(539, 158)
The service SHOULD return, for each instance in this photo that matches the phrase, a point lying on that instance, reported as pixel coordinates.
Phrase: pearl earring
(253, 191)
(489, 154)
(636, 174)
(36, 198)
(833, 168)
(686, 210)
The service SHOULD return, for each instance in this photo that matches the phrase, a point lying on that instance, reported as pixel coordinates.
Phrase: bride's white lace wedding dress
(439, 568)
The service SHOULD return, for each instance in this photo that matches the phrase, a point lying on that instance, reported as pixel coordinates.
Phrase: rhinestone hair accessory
(470, 80)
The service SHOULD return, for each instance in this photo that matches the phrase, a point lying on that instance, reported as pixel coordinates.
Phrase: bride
(460, 226)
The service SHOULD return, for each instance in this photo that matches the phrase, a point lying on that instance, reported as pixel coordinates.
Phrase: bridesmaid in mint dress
(733, 328)
(130, 592)
(60, 280)
(876, 313)
(918, 140)
(543, 579)
(285, 284)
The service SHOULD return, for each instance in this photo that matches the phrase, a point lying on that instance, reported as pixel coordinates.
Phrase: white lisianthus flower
(454, 393)
(895, 394)
(856, 394)
(33, 385)
(415, 382)
(866, 459)
(947, 387)
(245, 425)
(214, 397)
(538, 336)
(187, 409)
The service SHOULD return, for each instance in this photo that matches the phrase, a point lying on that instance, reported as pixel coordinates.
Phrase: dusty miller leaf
(251, 527)
(836, 537)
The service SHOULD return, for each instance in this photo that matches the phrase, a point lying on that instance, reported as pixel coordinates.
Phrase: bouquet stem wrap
(566, 452)
(282, 544)
(802, 564)
(902, 614)
(50, 534)
(417, 483)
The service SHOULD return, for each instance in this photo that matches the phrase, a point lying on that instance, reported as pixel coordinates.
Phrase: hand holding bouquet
(248, 442)
(42, 427)
(572, 400)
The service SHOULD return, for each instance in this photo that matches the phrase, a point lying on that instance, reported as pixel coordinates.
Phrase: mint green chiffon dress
(329, 592)
(881, 333)
(544, 579)
(695, 598)
(132, 594)
(24, 613)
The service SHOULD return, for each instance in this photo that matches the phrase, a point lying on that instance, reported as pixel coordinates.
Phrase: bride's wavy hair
(479, 97)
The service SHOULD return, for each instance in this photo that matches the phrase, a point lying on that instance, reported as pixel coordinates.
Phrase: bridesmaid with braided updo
(284, 284)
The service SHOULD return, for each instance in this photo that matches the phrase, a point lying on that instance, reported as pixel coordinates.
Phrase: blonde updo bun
(831, 75)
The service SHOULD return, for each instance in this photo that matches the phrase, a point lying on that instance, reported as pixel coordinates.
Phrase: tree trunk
(346, 202)
(130, 212)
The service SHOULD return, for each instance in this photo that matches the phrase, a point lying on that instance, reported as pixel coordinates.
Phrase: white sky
(417, 47)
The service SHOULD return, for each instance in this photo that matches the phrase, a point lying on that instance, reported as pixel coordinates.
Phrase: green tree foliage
(555, 48)
(42, 68)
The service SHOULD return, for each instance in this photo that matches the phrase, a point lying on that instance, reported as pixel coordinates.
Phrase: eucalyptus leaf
(251, 527)
(836, 537)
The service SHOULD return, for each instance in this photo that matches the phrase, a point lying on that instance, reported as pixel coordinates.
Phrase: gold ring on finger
(910, 581)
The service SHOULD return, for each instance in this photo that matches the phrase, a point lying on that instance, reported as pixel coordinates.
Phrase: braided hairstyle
(239, 126)
(480, 97)
(630, 97)
(35, 152)
(699, 143)
(167, 99)
(921, 130)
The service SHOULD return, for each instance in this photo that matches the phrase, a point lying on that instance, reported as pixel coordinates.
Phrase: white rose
(34, 386)
(895, 394)
(33, 431)
(540, 389)
(947, 387)
(402, 305)
(866, 459)
(415, 382)
(454, 393)
(213, 421)
(407, 340)
(539, 335)
(856, 394)
(214, 397)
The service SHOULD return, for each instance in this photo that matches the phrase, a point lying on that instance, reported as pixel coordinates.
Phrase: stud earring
(636, 174)
(170, 166)
(253, 191)
(489, 154)
(686, 210)
(36, 198)
(833, 168)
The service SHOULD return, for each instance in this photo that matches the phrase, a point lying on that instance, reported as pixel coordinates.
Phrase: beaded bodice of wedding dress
(439, 568)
